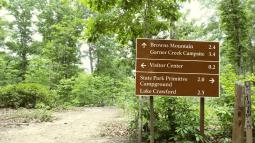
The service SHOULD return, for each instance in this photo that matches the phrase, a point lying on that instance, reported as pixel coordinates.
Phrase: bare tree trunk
(171, 29)
(91, 58)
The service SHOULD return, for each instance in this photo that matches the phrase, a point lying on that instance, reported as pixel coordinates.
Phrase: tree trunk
(23, 66)
(251, 55)
(238, 42)
(91, 58)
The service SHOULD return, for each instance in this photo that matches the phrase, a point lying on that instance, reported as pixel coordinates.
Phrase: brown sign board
(177, 68)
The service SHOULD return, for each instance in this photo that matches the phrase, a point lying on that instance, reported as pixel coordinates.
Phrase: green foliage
(251, 36)
(2, 3)
(111, 57)
(39, 71)
(8, 69)
(26, 95)
(64, 90)
(177, 120)
(61, 24)
(234, 24)
(93, 90)
(21, 42)
(90, 90)
(225, 116)
(125, 94)
(227, 81)
(2, 25)
(130, 18)
(97, 90)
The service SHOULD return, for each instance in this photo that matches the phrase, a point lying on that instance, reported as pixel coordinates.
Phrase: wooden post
(140, 120)
(248, 121)
(202, 116)
(239, 116)
(152, 119)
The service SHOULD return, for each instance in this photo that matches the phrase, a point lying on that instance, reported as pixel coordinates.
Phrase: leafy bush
(177, 119)
(227, 82)
(88, 90)
(64, 92)
(97, 90)
(39, 71)
(125, 94)
(26, 95)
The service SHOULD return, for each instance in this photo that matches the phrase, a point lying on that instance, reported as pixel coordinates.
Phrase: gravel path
(76, 126)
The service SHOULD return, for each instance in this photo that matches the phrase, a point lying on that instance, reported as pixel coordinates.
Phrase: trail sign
(177, 68)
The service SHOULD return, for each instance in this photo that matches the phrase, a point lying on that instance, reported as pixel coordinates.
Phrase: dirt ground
(75, 126)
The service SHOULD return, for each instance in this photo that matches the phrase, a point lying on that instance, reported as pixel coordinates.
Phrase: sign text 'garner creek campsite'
(177, 68)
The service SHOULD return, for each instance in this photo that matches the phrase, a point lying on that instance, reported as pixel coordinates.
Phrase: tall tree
(234, 24)
(61, 26)
(251, 36)
(21, 42)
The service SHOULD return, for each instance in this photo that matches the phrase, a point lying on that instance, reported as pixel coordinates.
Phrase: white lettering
(157, 65)
(174, 66)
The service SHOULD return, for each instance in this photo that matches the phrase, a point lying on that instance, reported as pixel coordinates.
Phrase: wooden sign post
(239, 116)
(202, 116)
(242, 114)
(177, 68)
(248, 117)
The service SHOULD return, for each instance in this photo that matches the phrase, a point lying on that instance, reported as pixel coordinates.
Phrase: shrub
(31, 115)
(64, 89)
(177, 119)
(96, 90)
(24, 95)
(86, 90)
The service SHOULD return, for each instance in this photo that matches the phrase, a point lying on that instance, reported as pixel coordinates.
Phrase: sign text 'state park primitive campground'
(177, 68)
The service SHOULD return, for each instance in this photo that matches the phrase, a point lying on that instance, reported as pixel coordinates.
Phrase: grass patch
(31, 115)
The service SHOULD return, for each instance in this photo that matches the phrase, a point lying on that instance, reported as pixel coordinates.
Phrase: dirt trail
(78, 126)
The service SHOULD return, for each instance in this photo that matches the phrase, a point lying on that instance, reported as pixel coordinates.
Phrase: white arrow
(212, 80)
(144, 45)
(143, 65)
